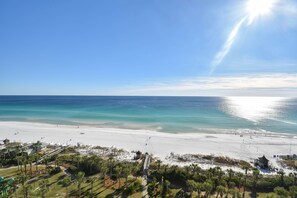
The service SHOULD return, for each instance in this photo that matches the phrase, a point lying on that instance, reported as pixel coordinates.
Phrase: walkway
(145, 175)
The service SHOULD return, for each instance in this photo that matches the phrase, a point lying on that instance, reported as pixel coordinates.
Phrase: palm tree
(239, 180)
(281, 192)
(219, 172)
(294, 177)
(30, 161)
(103, 171)
(110, 165)
(24, 161)
(207, 186)
(126, 172)
(14, 188)
(134, 169)
(164, 169)
(230, 174)
(36, 158)
(153, 188)
(66, 182)
(92, 161)
(158, 164)
(255, 178)
(45, 160)
(293, 191)
(231, 185)
(23, 179)
(199, 188)
(60, 160)
(55, 160)
(191, 184)
(220, 191)
(234, 192)
(77, 159)
(43, 187)
(19, 158)
(165, 188)
(246, 169)
(92, 180)
(281, 173)
(80, 179)
(26, 189)
(118, 172)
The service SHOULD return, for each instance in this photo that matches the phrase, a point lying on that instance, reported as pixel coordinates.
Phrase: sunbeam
(254, 9)
(258, 8)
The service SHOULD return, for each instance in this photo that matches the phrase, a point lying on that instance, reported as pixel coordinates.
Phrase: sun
(258, 8)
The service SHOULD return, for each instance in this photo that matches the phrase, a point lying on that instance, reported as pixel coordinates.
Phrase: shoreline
(141, 128)
(243, 146)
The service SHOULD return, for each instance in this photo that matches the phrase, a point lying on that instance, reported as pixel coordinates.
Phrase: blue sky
(151, 47)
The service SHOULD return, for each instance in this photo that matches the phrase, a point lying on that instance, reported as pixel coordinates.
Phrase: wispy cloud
(247, 64)
(269, 84)
(227, 46)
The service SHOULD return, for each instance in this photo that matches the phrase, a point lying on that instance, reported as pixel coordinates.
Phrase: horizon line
(57, 95)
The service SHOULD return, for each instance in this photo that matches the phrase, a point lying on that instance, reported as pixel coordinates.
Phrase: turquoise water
(166, 114)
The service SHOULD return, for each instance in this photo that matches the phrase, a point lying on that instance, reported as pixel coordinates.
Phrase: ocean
(164, 114)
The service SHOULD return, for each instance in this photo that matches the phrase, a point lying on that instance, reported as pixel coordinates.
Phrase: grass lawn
(56, 189)
(9, 172)
(264, 195)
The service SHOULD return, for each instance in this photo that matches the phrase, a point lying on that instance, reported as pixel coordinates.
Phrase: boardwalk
(54, 152)
(145, 175)
(146, 164)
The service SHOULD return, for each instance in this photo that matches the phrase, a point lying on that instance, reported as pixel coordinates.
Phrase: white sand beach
(239, 146)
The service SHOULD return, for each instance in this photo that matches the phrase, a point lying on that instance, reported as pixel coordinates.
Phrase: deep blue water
(167, 114)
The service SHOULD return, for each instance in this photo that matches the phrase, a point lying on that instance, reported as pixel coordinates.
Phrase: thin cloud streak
(273, 84)
(227, 46)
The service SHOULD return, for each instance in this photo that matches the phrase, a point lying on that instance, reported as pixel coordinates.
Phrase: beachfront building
(138, 155)
(288, 157)
(262, 162)
(6, 141)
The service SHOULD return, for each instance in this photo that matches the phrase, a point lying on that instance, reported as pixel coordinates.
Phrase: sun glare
(253, 108)
(258, 8)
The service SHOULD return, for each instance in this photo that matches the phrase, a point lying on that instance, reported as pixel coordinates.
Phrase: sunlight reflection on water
(254, 108)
